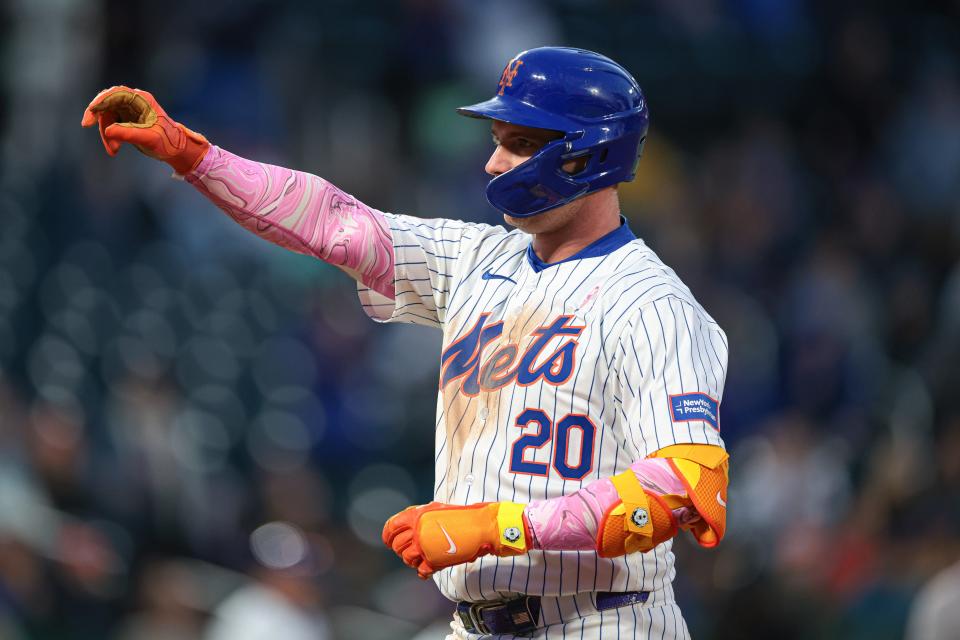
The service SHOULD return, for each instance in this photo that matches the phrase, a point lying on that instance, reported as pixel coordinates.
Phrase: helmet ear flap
(575, 166)
(537, 185)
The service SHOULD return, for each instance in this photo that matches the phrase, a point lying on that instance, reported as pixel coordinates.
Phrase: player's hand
(435, 536)
(131, 115)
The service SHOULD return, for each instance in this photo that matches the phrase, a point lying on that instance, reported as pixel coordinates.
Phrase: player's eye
(523, 146)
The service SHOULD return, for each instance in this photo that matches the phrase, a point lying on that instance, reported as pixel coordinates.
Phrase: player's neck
(586, 226)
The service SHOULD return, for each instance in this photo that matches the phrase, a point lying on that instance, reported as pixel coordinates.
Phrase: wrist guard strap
(639, 522)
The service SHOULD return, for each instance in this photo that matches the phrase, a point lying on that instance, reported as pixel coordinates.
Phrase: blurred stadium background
(201, 434)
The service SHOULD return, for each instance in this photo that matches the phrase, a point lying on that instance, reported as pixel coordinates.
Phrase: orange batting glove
(435, 536)
(134, 116)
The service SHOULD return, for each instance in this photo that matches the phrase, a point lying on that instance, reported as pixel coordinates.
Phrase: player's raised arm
(296, 210)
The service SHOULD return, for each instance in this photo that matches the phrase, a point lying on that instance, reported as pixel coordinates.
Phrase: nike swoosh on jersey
(721, 501)
(453, 548)
(495, 276)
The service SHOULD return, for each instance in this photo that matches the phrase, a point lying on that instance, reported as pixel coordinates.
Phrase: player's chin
(531, 225)
(547, 221)
(523, 224)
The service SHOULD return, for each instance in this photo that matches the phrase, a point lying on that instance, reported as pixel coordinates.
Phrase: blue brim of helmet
(516, 112)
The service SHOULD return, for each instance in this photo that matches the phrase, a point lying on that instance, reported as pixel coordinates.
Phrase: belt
(522, 615)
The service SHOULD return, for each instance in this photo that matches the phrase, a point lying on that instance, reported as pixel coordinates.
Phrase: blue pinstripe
(624, 391)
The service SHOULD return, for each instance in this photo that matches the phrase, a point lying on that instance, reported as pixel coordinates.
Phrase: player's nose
(500, 162)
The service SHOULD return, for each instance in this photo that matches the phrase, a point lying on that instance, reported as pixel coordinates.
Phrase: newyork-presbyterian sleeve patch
(695, 406)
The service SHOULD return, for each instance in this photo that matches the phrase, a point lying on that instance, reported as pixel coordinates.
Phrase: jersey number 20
(561, 457)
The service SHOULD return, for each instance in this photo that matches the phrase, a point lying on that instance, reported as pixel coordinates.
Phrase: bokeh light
(196, 424)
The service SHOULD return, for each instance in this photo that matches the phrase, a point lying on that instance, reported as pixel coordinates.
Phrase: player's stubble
(548, 222)
(561, 232)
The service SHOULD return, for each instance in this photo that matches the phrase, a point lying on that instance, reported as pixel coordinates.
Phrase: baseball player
(578, 406)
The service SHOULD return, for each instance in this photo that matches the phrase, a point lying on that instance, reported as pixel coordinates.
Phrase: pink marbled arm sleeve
(300, 212)
(571, 522)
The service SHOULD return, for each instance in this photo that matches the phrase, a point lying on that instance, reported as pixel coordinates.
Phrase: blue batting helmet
(593, 101)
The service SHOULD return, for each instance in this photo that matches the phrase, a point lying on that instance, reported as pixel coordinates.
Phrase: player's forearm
(571, 522)
(301, 212)
(577, 521)
(680, 486)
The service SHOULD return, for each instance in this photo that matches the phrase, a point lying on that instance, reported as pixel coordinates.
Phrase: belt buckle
(476, 618)
(464, 614)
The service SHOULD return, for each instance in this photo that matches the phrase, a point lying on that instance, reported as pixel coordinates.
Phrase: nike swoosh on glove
(435, 536)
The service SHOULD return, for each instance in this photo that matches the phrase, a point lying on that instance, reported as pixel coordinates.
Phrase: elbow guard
(643, 518)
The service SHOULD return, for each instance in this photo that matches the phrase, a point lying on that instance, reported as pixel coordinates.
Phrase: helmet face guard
(592, 101)
(537, 185)
(541, 183)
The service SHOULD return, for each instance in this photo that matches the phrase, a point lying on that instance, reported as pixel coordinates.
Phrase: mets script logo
(461, 360)
(509, 73)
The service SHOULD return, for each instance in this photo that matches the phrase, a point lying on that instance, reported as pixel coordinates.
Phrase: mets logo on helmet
(509, 73)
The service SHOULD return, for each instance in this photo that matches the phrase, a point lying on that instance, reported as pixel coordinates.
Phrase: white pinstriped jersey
(552, 378)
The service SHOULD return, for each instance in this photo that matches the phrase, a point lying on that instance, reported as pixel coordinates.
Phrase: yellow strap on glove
(435, 536)
(132, 115)
(640, 522)
(642, 519)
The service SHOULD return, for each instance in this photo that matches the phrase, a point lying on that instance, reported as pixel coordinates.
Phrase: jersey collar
(600, 247)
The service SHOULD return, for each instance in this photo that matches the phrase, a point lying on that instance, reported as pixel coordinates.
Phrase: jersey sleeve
(427, 255)
(673, 364)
